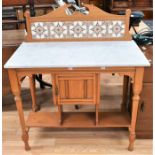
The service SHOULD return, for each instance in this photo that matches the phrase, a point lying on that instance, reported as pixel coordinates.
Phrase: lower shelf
(78, 120)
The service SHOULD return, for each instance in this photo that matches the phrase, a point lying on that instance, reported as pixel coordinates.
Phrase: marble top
(77, 54)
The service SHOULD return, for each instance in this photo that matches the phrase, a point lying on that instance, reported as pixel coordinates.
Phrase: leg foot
(25, 138)
(131, 142)
(27, 147)
(130, 148)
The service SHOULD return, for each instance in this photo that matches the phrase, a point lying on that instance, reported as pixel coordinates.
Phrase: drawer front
(77, 88)
(145, 111)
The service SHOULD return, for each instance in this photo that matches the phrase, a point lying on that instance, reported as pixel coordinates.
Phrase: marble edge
(28, 67)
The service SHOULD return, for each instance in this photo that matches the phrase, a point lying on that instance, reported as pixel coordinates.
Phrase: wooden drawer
(145, 111)
(76, 88)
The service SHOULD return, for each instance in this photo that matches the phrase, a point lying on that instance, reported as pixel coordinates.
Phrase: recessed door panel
(77, 88)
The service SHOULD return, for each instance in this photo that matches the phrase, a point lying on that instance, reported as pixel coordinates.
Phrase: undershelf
(78, 120)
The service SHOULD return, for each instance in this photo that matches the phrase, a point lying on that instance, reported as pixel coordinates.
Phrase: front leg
(137, 87)
(25, 138)
(15, 87)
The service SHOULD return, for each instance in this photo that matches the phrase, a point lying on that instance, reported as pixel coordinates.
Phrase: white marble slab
(77, 54)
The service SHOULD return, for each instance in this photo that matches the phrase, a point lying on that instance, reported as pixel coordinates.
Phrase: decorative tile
(98, 29)
(78, 29)
(57, 30)
(39, 30)
(117, 29)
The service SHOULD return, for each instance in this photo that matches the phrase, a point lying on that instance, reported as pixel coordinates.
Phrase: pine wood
(16, 92)
(56, 141)
(78, 120)
(76, 88)
(85, 120)
(137, 86)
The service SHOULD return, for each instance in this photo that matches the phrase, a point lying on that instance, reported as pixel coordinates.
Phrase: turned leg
(132, 136)
(125, 93)
(137, 86)
(17, 96)
(25, 138)
(35, 106)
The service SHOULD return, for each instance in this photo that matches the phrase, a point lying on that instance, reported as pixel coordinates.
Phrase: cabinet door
(77, 88)
(145, 112)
